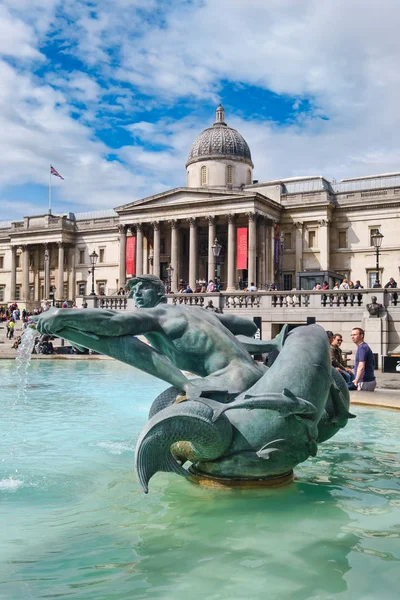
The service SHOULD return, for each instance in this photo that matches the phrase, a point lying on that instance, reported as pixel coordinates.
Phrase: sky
(113, 93)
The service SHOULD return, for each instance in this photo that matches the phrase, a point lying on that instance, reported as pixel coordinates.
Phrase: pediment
(178, 196)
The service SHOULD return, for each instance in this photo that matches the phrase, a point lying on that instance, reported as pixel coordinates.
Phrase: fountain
(75, 524)
(238, 423)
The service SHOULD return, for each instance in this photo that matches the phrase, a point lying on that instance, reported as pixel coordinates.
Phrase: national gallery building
(293, 232)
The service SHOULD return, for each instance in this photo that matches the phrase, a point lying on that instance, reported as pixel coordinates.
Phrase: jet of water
(23, 358)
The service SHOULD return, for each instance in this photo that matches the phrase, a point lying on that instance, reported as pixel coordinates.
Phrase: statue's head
(146, 290)
(373, 299)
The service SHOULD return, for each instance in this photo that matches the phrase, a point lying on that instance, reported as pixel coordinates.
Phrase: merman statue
(237, 421)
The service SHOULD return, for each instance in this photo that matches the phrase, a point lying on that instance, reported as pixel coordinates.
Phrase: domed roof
(220, 141)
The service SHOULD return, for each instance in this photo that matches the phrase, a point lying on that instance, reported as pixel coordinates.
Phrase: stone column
(192, 252)
(299, 246)
(139, 249)
(122, 256)
(174, 255)
(47, 271)
(60, 272)
(145, 254)
(323, 243)
(72, 278)
(25, 276)
(252, 247)
(156, 248)
(261, 253)
(268, 254)
(37, 274)
(13, 272)
(211, 257)
(231, 271)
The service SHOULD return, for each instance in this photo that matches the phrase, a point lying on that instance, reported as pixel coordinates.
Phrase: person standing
(364, 363)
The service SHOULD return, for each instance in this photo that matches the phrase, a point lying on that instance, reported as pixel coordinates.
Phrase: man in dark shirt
(338, 363)
(364, 363)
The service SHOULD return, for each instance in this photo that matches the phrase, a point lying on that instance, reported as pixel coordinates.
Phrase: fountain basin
(75, 523)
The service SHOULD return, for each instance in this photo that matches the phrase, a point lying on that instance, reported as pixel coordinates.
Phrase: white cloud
(341, 56)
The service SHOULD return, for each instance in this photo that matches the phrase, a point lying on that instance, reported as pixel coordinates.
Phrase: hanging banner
(277, 231)
(241, 248)
(130, 255)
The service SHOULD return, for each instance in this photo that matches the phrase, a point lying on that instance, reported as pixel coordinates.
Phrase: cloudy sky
(112, 93)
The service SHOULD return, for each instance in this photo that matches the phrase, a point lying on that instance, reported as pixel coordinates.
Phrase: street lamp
(46, 273)
(170, 269)
(377, 238)
(93, 259)
(216, 248)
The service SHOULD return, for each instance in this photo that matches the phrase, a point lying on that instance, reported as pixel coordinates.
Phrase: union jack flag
(54, 172)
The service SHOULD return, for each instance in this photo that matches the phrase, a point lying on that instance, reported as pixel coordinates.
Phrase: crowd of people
(362, 378)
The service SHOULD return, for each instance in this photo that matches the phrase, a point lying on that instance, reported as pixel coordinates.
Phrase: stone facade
(295, 227)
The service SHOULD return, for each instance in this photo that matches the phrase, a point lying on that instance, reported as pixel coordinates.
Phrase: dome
(220, 141)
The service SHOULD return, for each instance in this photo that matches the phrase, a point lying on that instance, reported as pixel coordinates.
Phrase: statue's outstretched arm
(237, 325)
(98, 321)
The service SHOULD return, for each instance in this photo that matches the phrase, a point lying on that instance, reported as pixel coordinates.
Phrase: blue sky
(112, 94)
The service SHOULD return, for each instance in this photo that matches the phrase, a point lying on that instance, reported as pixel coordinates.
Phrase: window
(372, 277)
(311, 239)
(342, 239)
(81, 288)
(249, 177)
(229, 174)
(101, 288)
(81, 257)
(17, 292)
(2, 292)
(18, 262)
(203, 175)
(287, 240)
(372, 232)
(101, 255)
(287, 281)
(1, 262)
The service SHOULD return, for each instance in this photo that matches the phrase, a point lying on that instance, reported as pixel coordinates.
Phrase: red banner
(241, 248)
(130, 255)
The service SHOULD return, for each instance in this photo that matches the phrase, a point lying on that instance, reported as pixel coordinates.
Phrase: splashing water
(23, 359)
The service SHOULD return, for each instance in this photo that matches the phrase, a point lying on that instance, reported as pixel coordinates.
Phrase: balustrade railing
(112, 302)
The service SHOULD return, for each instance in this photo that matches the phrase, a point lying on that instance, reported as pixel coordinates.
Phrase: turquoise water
(74, 523)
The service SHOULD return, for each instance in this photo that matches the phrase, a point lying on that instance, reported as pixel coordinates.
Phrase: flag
(54, 172)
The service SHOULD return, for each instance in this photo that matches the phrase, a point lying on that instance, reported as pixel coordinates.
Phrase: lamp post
(170, 269)
(216, 248)
(377, 241)
(46, 274)
(93, 259)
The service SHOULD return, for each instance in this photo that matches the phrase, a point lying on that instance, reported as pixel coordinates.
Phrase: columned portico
(139, 249)
(174, 255)
(230, 276)
(211, 257)
(193, 256)
(156, 248)
(122, 256)
(252, 247)
(60, 273)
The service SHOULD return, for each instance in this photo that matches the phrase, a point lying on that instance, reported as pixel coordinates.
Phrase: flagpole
(50, 190)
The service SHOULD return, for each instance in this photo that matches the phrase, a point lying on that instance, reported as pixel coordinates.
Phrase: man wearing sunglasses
(338, 363)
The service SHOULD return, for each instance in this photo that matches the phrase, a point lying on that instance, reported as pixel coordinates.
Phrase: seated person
(338, 363)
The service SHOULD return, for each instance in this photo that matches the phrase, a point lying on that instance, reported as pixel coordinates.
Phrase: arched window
(249, 177)
(203, 175)
(229, 175)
